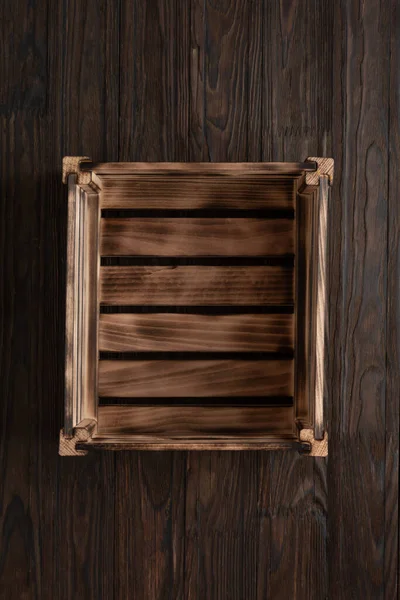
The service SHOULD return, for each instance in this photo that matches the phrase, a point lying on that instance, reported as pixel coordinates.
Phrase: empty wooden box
(196, 305)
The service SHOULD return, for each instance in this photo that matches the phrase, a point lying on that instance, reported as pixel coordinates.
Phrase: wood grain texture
(359, 286)
(226, 114)
(195, 168)
(150, 487)
(191, 191)
(169, 332)
(297, 119)
(150, 515)
(195, 378)
(24, 78)
(392, 407)
(21, 519)
(196, 237)
(194, 421)
(220, 539)
(53, 538)
(194, 525)
(199, 285)
(86, 123)
(297, 79)
(229, 544)
(28, 412)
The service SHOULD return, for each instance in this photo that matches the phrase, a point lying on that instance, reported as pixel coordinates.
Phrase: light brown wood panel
(196, 237)
(195, 420)
(177, 332)
(196, 191)
(195, 378)
(199, 285)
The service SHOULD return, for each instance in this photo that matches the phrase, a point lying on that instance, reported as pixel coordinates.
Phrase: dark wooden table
(201, 81)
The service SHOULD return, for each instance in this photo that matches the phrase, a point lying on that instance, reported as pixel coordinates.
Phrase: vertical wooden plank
(392, 557)
(197, 144)
(358, 290)
(223, 545)
(86, 101)
(297, 79)
(24, 80)
(150, 486)
(296, 120)
(22, 136)
(295, 509)
(222, 525)
(26, 501)
(90, 79)
(226, 49)
(150, 489)
(154, 81)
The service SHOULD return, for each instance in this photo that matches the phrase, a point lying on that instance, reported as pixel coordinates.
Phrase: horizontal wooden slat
(194, 420)
(152, 378)
(198, 191)
(226, 441)
(199, 285)
(176, 332)
(221, 168)
(196, 237)
(198, 401)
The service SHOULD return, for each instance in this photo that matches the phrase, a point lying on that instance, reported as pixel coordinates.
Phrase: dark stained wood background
(209, 80)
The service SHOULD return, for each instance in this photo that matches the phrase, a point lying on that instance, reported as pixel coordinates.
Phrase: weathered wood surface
(195, 378)
(359, 398)
(155, 168)
(218, 192)
(194, 421)
(200, 285)
(392, 400)
(55, 526)
(196, 237)
(233, 81)
(193, 332)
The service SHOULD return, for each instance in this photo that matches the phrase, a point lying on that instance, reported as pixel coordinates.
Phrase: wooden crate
(195, 305)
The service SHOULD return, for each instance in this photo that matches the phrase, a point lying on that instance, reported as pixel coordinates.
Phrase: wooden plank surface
(27, 509)
(150, 486)
(24, 81)
(56, 534)
(200, 285)
(392, 408)
(180, 535)
(87, 124)
(174, 378)
(198, 192)
(175, 332)
(195, 420)
(196, 237)
(234, 168)
(23, 514)
(359, 309)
